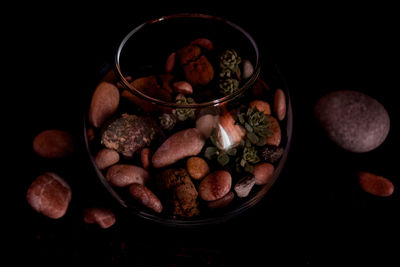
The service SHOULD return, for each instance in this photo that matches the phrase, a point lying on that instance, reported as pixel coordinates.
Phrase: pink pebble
(145, 157)
(263, 173)
(183, 87)
(170, 63)
(103, 217)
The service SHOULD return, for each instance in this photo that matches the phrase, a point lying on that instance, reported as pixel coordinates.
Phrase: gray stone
(244, 186)
(353, 120)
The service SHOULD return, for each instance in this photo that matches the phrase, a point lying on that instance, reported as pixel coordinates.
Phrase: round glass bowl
(193, 85)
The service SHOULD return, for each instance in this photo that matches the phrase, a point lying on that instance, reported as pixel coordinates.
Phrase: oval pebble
(121, 175)
(170, 62)
(248, 69)
(142, 194)
(145, 157)
(215, 185)
(105, 218)
(280, 104)
(104, 103)
(105, 158)
(206, 124)
(353, 120)
(197, 168)
(49, 195)
(53, 144)
(180, 145)
(244, 186)
(275, 138)
(263, 172)
(204, 43)
(183, 87)
(375, 185)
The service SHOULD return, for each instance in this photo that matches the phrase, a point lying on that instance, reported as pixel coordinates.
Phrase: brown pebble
(203, 43)
(142, 194)
(104, 103)
(280, 104)
(90, 134)
(105, 218)
(197, 168)
(53, 144)
(105, 158)
(375, 185)
(275, 138)
(215, 185)
(49, 195)
(222, 202)
(121, 175)
(145, 157)
(263, 173)
(261, 106)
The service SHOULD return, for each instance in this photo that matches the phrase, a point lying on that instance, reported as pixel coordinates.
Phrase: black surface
(315, 213)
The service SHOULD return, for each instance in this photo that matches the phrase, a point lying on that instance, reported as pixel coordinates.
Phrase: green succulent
(223, 156)
(183, 114)
(167, 121)
(228, 86)
(256, 124)
(230, 59)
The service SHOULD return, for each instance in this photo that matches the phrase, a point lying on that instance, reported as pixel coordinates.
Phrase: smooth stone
(105, 218)
(261, 106)
(104, 103)
(121, 175)
(215, 185)
(105, 158)
(206, 124)
(180, 145)
(280, 104)
(222, 202)
(353, 120)
(142, 194)
(263, 172)
(375, 185)
(53, 144)
(276, 135)
(197, 168)
(248, 69)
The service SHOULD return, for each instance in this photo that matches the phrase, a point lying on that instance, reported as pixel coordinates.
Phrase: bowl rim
(250, 81)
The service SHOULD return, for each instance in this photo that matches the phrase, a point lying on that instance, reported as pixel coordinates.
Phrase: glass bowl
(214, 118)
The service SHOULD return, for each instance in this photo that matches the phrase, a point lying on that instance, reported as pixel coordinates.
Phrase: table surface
(315, 212)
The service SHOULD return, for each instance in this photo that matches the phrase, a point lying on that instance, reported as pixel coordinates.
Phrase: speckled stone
(353, 120)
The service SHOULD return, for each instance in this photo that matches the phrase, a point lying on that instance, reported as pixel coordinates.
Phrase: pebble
(222, 202)
(183, 87)
(170, 63)
(142, 194)
(261, 106)
(248, 69)
(280, 104)
(180, 145)
(263, 172)
(271, 154)
(204, 43)
(104, 103)
(375, 185)
(215, 185)
(53, 144)
(354, 121)
(121, 175)
(49, 195)
(145, 157)
(105, 218)
(206, 124)
(105, 158)
(275, 138)
(197, 168)
(244, 186)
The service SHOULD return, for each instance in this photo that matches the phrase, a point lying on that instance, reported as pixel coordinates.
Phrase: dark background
(314, 214)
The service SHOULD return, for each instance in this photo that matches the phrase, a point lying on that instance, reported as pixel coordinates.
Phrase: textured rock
(182, 144)
(353, 120)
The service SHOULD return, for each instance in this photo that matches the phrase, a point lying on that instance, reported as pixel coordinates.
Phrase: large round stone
(353, 120)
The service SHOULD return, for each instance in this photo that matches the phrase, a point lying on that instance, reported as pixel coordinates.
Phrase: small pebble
(197, 168)
(121, 175)
(145, 157)
(263, 172)
(261, 106)
(105, 158)
(53, 144)
(104, 103)
(244, 186)
(275, 138)
(354, 121)
(248, 69)
(206, 124)
(280, 104)
(105, 218)
(49, 195)
(222, 202)
(170, 63)
(183, 87)
(215, 185)
(375, 185)
(142, 194)
(271, 154)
